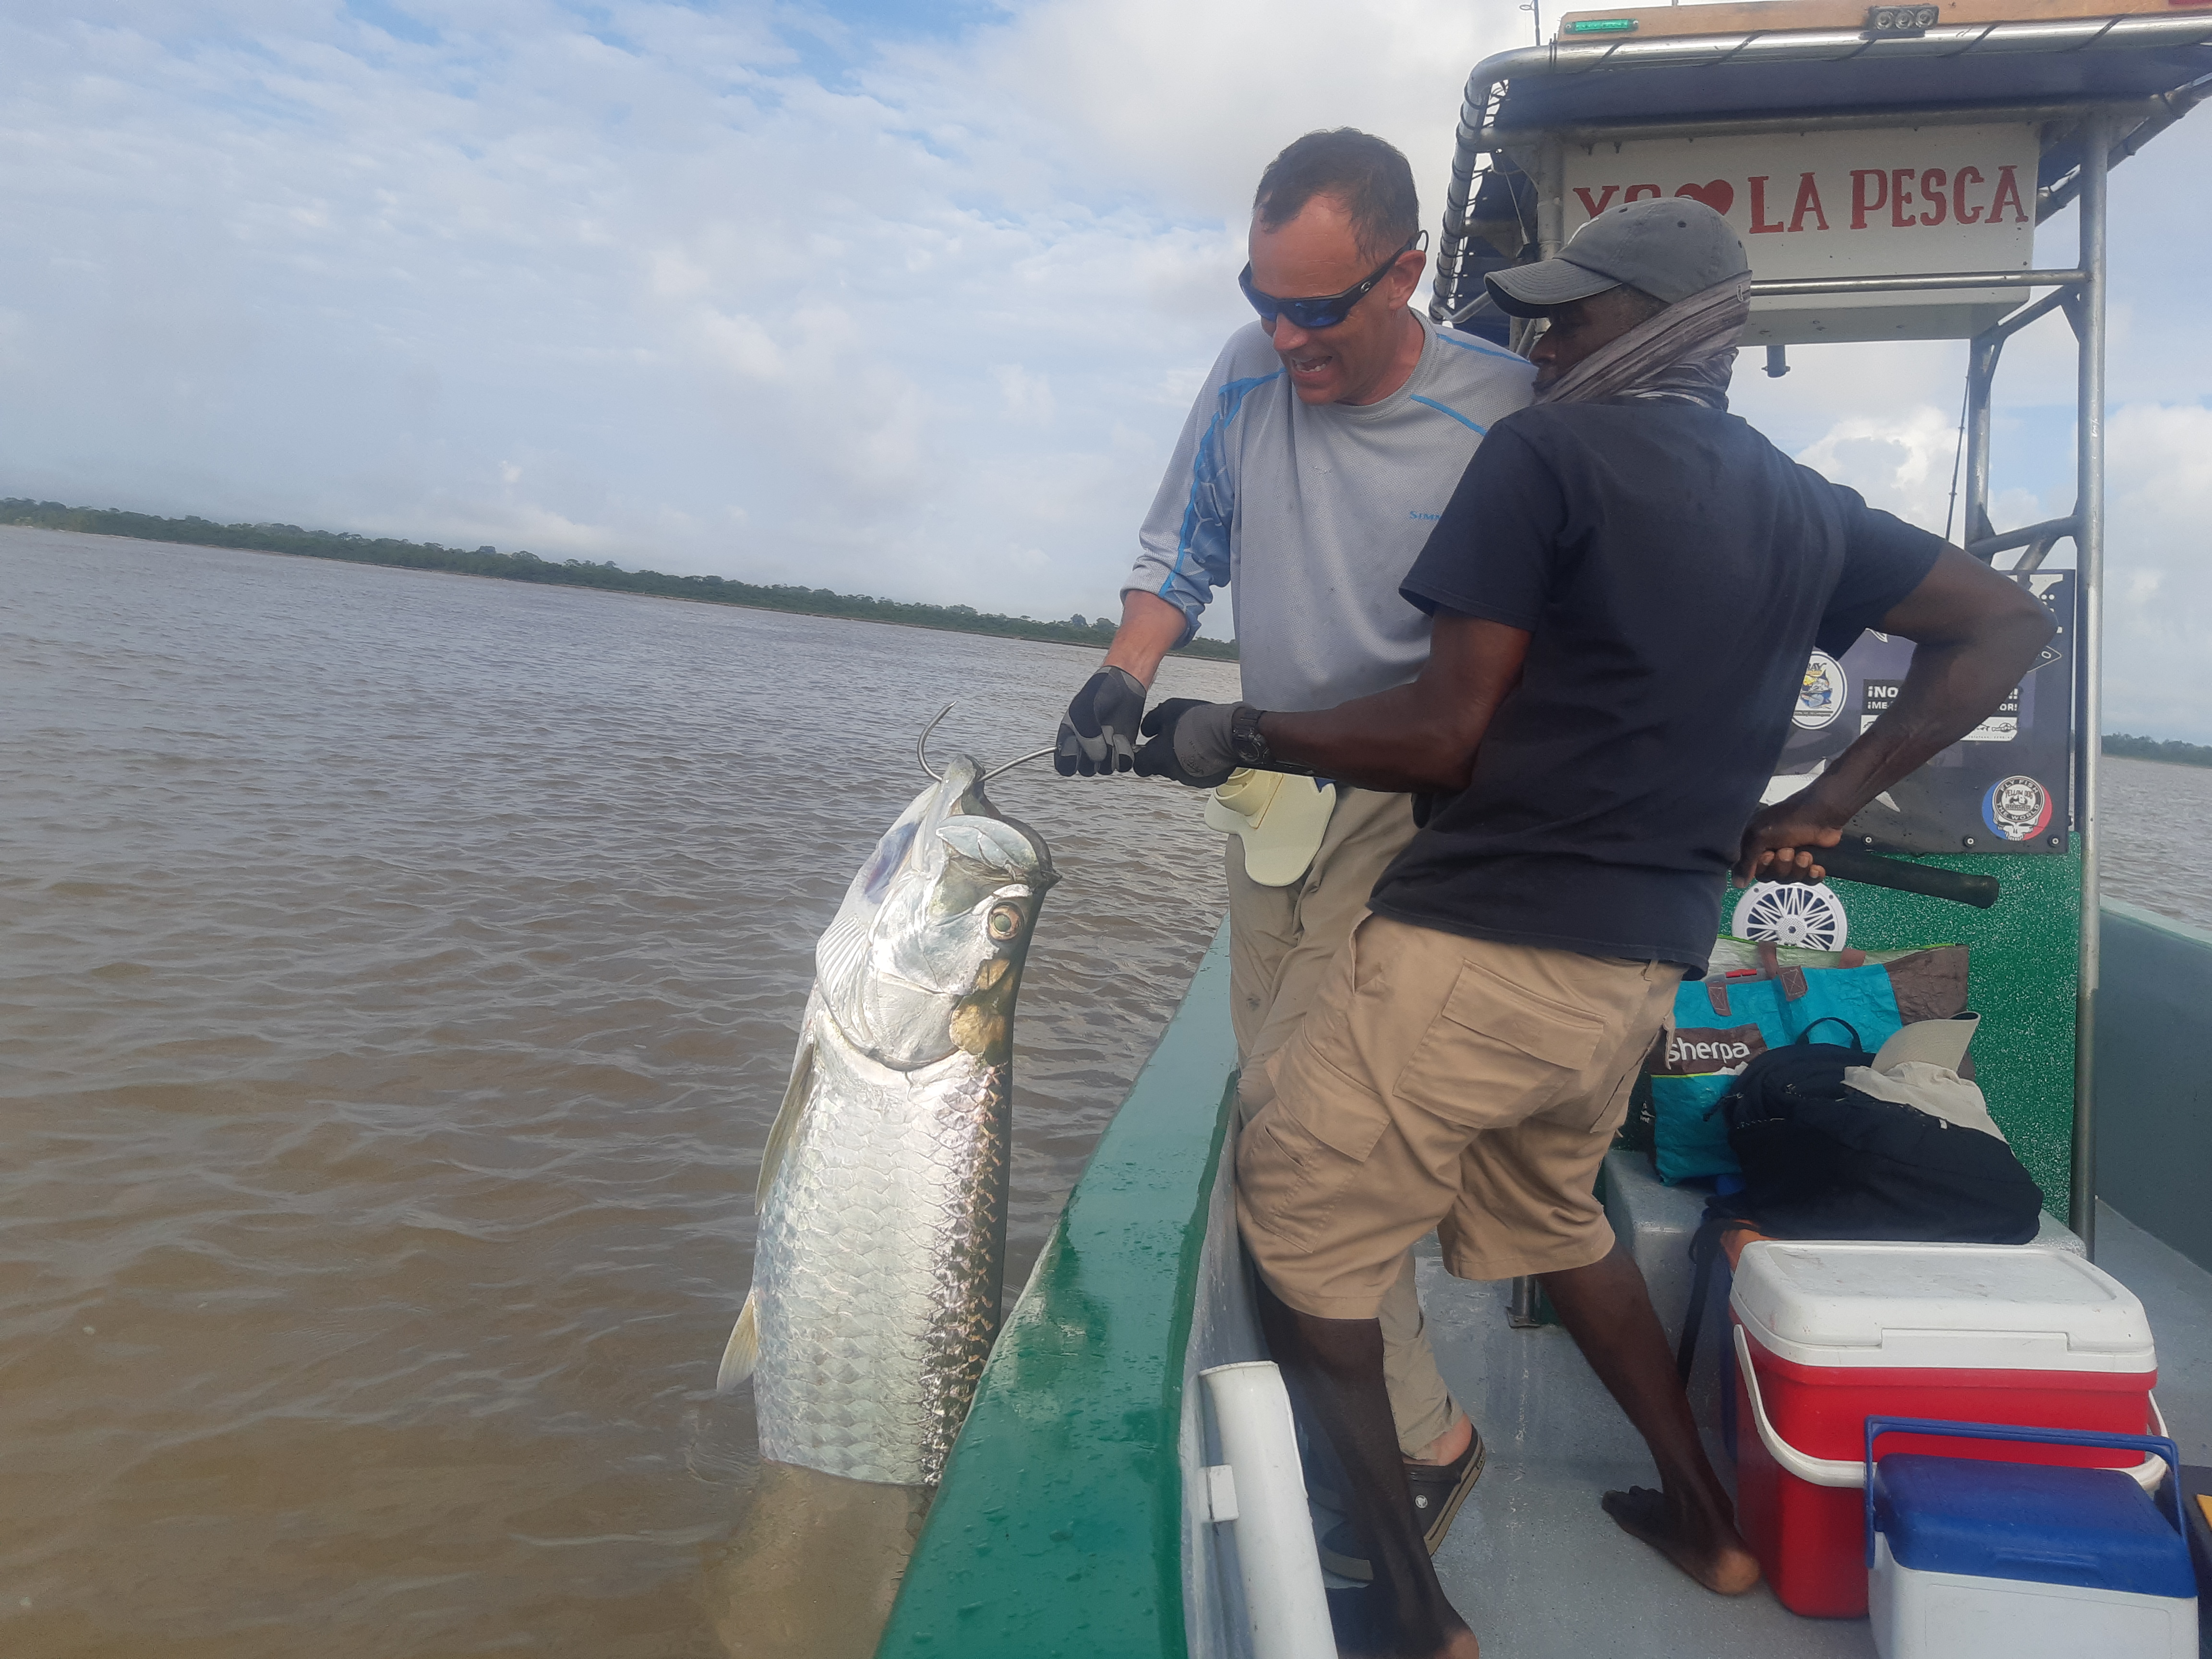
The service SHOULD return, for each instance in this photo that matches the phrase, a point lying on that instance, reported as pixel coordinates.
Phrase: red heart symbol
(1719, 196)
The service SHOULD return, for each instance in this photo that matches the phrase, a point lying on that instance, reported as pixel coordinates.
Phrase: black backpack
(1822, 1160)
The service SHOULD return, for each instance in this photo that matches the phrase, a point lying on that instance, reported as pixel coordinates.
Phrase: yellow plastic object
(1281, 820)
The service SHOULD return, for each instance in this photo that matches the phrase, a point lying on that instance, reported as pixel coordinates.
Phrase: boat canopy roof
(1762, 60)
(1804, 65)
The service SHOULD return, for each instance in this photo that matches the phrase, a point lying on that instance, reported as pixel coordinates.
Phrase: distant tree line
(566, 573)
(2188, 754)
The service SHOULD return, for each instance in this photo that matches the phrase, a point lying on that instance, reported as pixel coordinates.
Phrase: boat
(1078, 1514)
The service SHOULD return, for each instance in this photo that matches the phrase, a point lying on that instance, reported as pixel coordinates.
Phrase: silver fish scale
(879, 1262)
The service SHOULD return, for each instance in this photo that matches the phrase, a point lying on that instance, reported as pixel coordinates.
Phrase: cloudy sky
(887, 298)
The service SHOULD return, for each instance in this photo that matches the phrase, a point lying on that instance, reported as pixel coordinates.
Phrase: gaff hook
(921, 753)
(921, 744)
(1035, 754)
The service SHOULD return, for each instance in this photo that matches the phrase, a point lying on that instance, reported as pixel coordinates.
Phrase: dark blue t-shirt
(1675, 571)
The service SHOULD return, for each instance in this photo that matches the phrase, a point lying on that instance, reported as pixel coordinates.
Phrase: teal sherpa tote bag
(1724, 1022)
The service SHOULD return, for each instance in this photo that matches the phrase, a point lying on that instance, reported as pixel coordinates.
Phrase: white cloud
(1028, 397)
(1902, 464)
(1828, 384)
(755, 289)
(613, 281)
(2158, 584)
(1188, 102)
(1908, 462)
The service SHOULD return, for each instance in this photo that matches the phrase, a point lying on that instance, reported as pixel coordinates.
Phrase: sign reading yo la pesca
(1966, 197)
(1909, 201)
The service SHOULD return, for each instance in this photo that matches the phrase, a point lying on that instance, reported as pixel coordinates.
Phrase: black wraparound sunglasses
(1323, 311)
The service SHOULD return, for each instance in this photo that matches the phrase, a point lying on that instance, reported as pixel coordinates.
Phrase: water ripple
(399, 973)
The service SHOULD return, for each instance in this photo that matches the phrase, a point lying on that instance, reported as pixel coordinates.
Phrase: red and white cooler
(1828, 1334)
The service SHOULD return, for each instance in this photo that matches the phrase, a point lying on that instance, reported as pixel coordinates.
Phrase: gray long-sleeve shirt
(1313, 515)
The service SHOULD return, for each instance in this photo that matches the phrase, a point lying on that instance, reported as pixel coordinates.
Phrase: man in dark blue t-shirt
(1625, 588)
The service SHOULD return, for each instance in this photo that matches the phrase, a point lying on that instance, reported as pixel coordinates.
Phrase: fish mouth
(1045, 875)
(924, 933)
(974, 801)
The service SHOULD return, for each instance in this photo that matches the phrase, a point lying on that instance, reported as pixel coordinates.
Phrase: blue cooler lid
(2092, 1529)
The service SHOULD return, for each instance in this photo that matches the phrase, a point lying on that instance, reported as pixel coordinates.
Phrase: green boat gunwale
(1060, 1526)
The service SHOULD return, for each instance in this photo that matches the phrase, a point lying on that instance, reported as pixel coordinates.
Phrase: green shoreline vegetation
(2155, 749)
(568, 573)
(711, 590)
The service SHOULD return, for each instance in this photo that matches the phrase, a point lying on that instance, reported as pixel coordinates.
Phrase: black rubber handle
(1851, 864)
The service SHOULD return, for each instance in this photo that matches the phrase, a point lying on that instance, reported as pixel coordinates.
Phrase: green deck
(2026, 949)
(1059, 1527)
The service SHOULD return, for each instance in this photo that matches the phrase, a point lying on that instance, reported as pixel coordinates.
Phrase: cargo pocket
(1293, 1170)
(1497, 1054)
(1605, 1108)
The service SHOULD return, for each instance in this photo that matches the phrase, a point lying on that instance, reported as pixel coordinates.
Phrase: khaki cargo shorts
(1451, 1083)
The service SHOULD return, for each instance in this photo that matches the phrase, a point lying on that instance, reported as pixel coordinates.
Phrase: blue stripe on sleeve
(1202, 548)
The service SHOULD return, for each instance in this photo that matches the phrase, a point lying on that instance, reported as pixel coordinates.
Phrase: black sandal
(1437, 1490)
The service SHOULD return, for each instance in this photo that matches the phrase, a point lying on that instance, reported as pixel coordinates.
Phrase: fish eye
(1004, 921)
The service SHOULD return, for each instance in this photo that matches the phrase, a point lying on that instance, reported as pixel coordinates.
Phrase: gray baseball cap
(1670, 248)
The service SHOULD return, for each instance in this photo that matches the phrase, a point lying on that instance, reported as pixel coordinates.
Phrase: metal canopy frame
(2084, 135)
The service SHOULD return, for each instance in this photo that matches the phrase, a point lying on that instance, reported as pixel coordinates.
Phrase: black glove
(1098, 733)
(1189, 743)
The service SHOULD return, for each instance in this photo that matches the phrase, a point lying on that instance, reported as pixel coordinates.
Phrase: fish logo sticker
(1820, 695)
(2018, 808)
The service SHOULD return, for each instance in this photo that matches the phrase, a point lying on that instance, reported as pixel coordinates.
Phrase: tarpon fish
(883, 1190)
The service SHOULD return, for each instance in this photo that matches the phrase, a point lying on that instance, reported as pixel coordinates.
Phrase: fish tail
(742, 1354)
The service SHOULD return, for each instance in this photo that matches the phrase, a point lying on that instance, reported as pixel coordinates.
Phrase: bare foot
(1708, 1549)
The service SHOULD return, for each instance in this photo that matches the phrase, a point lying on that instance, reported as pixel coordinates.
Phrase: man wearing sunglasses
(1315, 462)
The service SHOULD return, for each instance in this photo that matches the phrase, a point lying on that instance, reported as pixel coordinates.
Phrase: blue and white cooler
(1969, 1559)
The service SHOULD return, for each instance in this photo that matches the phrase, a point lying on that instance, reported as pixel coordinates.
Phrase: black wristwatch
(1245, 740)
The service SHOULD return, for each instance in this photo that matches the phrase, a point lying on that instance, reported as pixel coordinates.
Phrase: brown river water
(2156, 851)
(398, 974)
